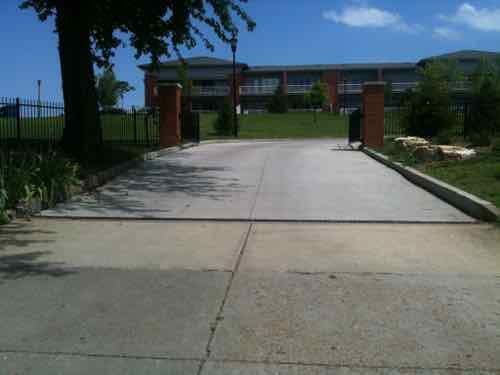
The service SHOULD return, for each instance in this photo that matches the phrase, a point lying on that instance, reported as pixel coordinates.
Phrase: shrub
(26, 175)
(484, 119)
(223, 124)
(427, 110)
(279, 102)
(3, 202)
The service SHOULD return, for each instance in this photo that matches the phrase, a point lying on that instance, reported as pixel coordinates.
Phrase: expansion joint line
(220, 312)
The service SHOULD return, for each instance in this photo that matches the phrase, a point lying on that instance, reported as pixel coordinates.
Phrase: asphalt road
(282, 180)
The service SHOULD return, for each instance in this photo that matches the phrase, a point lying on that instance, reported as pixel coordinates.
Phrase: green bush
(25, 175)
(3, 202)
(484, 119)
(223, 124)
(427, 110)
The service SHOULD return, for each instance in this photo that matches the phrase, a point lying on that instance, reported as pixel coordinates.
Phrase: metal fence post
(18, 120)
(146, 126)
(135, 124)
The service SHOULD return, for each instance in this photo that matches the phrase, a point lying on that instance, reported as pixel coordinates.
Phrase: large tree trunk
(82, 135)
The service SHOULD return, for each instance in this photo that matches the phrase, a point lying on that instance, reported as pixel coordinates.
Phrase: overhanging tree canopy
(89, 31)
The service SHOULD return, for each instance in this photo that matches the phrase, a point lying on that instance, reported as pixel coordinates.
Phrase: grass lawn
(115, 128)
(479, 176)
(286, 125)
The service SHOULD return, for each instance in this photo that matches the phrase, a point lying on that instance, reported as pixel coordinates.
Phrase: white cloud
(483, 19)
(364, 16)
(448, 33)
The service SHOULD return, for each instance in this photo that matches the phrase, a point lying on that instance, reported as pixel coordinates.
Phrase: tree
(110, 90)
(316, 98)
(223, 124)
(90, 30)
(279, 102)
(426, 110)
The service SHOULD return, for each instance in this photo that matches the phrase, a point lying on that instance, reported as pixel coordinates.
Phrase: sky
(287, 32)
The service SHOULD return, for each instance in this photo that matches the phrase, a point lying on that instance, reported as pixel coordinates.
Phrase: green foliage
(426, 111)
(279, 102)
(155, 28)
(223, 124)
(484, 119)
(317, 96)
(3, 201)
(26, 175)
(110, 90)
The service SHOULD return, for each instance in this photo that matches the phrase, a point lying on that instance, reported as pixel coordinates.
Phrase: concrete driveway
(287, 180)
(134, 297)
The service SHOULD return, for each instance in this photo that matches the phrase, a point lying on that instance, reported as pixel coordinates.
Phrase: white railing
(258, 90)
(210, 90)
(403, 86)
(350, 88)
(299, 89)
(357, 88)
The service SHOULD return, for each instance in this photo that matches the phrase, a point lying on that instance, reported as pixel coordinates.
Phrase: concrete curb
(468, 203)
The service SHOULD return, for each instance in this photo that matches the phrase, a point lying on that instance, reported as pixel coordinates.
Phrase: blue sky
(288, 32)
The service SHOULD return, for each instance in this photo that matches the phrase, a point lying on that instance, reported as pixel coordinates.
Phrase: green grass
(479, 176)
(286, 125)
(115, 128)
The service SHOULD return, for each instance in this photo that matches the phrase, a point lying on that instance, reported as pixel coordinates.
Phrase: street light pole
(234, 45)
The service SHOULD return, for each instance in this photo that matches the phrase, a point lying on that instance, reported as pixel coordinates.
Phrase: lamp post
(234, 45)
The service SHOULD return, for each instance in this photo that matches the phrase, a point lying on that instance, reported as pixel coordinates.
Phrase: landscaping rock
(426, 153)
(455, 153)
(411, 142)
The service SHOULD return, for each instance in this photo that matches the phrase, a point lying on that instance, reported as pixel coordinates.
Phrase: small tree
(484, 120)
(316, 98)
(223, 124)
(110, 90)
(426, 111)
(279, 102)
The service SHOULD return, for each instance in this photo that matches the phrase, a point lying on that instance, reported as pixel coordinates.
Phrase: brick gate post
(170, 113)
(373, 109)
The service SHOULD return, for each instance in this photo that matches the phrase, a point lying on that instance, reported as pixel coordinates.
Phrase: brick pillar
(373, 108)
(150, 90)
(284, 83)
(170, 114)
(332, 78)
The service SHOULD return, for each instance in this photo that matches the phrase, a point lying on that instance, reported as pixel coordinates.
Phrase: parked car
(8, 110)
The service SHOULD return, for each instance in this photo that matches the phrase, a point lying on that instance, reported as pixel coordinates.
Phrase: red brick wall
(284, 83)
(170, 114)
(373, 108)
(332, 78)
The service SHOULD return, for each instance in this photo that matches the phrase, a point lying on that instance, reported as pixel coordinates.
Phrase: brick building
(211, 80)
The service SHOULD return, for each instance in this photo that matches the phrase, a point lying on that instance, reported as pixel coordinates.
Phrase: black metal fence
(33, 121)
(394, 124)
(24, 120)
(131, 126)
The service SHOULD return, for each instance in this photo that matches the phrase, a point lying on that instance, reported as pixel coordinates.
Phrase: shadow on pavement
(16, 236)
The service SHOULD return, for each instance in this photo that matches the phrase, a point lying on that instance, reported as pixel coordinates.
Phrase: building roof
(322, 67)
(465, 55)
(201, 61)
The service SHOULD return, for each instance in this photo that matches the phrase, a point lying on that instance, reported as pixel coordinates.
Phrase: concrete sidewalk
(135, 297)
(279, 180)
